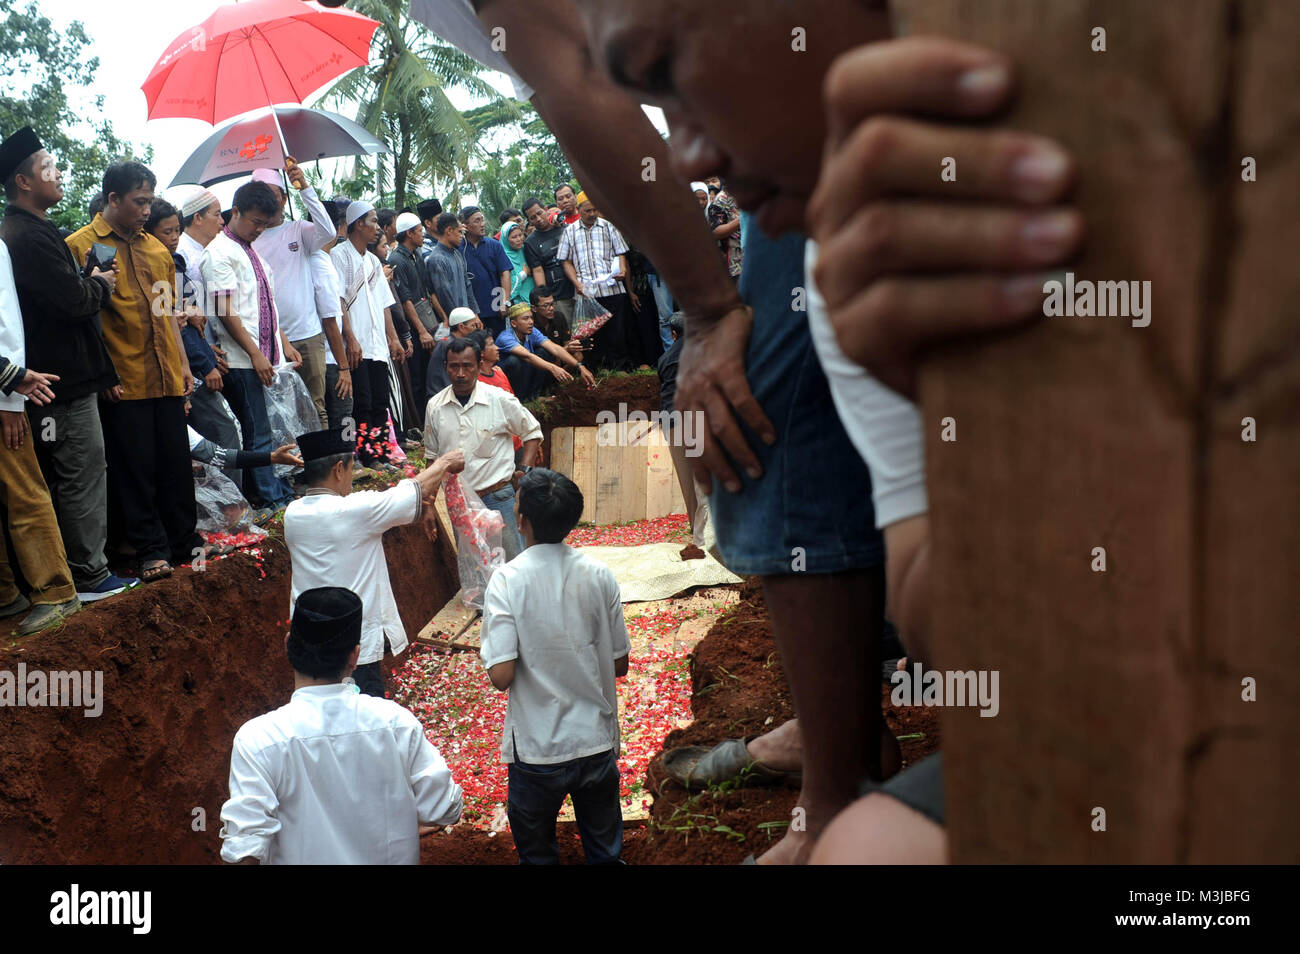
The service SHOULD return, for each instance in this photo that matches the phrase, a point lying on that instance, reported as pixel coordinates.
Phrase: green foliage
(402, 98)
(532, 164)
(38, 66)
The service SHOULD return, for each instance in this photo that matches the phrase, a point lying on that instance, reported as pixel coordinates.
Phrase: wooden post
(1122, 690)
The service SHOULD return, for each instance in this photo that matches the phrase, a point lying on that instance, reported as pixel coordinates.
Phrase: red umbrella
(260, 53)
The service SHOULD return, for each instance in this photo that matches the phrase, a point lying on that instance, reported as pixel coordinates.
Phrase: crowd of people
(151, 337)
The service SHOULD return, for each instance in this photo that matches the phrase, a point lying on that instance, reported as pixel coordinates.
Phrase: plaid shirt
(594, 252)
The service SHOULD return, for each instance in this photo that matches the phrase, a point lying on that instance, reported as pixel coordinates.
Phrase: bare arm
(573, 96)
(235, 328)
(572, 275)
(502, 674)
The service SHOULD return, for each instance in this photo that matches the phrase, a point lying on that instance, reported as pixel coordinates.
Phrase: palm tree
(402, 98)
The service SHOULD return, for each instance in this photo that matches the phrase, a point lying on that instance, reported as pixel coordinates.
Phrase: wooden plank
(584, 469)
(608, 472)
(660, 476)
(1122, 690)
(632, 491)
(444, 520)
(562, 451)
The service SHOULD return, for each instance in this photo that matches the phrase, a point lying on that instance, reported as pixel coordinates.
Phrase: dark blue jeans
(247, 398)
(536, 793)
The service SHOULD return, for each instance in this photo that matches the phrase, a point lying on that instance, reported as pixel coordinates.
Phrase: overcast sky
(129, 43)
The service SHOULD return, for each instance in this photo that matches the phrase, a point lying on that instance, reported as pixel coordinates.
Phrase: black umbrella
(241, 146)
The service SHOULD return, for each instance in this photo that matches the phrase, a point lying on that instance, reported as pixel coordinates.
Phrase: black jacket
(60, 308)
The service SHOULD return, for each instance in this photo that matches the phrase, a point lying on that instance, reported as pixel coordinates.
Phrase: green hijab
(521, 276)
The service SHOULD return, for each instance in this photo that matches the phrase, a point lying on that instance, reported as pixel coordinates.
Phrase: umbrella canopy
(254, 54)
(238, 148)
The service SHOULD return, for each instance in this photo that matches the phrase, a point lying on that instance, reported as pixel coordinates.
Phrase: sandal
(155, 570)
(697, 766)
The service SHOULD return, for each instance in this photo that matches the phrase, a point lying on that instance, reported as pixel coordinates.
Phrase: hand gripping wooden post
(1122, 690)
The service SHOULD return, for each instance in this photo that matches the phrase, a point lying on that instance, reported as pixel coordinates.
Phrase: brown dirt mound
(740, 690)
(575, 406)
(185, 662)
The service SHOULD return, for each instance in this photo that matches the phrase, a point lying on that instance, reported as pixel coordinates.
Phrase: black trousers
(613, 345)
(370, 404)
(147, 451)
(526, 379)
(370, 677)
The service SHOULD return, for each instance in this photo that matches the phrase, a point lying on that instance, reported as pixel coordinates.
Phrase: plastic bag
(221, 508)
(478, 540)
(589, 316)
(290, 410)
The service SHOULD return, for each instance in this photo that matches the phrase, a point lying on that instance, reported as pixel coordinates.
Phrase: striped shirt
(594, 252)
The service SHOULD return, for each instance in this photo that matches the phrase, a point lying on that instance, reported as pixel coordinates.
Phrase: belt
(494, 488)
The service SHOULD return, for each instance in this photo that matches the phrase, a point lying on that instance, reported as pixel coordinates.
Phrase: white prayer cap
(699, 187)
(406, 221)
(270, 177)
(459, 316)
(356, 210)
(190, 198)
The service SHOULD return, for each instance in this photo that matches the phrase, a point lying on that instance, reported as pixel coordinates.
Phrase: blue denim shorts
(811, 510)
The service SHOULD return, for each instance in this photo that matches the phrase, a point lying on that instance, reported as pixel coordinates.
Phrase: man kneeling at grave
(333, 777)
(553, 634)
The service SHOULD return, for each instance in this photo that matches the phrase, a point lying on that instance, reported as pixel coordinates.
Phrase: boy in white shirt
(553, 633)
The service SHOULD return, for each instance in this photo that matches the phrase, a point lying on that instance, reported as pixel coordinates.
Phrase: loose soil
(185, 662)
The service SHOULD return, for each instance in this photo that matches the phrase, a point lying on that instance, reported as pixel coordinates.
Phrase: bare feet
(782, 748)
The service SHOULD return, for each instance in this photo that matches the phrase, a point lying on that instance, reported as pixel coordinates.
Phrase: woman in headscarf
(521, 276)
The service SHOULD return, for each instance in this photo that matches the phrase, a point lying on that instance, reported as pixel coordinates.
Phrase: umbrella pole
(284, 154)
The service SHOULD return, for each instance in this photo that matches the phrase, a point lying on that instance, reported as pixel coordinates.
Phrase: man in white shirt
(593, 254)
(287, 246)
(481, 421)
(337, 328)
(336, 537)
(200, 211)
(333, 777)
(367, 297)
(240, 291)
(554, 635)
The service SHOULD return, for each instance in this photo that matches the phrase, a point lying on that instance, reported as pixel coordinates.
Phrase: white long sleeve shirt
(366, 292)
(13, 343)
(339, 541)
(333, 778)
(288, 249)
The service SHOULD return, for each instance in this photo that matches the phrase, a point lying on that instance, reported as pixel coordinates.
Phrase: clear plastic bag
(478, 539)
(290, 410)
(589, 316)
(220, 506)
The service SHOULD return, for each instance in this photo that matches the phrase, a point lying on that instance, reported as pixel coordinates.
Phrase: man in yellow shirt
(145, 439)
